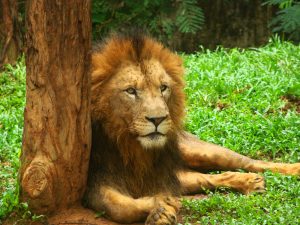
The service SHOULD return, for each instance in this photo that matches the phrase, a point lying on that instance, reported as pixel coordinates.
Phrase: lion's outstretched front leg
(193, 182)
(205, 156)
(156, 210)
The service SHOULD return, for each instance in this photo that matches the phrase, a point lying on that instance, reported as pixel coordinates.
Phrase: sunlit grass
(12, 101)
(280, 204)
(236, 99)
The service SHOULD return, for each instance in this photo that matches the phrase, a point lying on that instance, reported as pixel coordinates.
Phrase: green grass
(280, 204)
(235, 100)
(12, 102)
(250, 84)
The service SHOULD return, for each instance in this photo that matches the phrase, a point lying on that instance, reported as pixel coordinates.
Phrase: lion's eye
(163, 87)
(131, 91)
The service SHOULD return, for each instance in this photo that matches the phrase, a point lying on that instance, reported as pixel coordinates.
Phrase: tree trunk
(11, 40)
(57, 133)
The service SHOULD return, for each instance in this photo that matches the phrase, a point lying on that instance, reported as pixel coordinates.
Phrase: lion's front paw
(164, 213)
(161, 216)
(252, 183)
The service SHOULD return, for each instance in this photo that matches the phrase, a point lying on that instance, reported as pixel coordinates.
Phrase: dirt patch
(73, 216)
(221, 106)
(16, 218)
(292, 101)
(79, 216)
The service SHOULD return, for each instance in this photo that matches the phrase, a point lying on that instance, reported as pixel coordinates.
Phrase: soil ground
(77, 216)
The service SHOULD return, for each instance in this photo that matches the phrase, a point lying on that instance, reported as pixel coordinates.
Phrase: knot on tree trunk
(37, 184)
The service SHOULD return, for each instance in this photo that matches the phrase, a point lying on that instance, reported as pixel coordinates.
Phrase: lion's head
(137, 91)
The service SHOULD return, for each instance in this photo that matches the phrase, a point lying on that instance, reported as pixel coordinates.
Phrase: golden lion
(141, 158)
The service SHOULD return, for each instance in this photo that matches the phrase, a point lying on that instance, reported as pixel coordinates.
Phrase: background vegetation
(161, 17)
(166, 18)
(180, 24)
(287, 19)
(246, 100)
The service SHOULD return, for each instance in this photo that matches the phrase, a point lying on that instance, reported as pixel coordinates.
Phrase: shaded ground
(74, 216)
(80, 216)
(292, 101)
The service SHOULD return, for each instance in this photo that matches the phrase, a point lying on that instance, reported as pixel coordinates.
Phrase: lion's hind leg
(158, 210)
(193, 182)
(283, 168)
(204, 156)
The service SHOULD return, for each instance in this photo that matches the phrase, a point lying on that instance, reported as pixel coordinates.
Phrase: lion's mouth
(153, 140)
(154, 135)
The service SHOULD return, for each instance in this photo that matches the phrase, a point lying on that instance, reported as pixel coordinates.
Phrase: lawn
(245, 100)
(12, 102)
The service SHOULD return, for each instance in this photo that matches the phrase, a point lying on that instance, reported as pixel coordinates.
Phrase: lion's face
(138, 100)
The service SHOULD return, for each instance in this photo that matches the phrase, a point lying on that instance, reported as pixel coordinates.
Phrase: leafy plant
(12, 101)
(287, 19)
(162, 18)
(189, 16)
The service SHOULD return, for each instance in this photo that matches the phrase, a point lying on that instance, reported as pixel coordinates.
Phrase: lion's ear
(98, 62)
(101, 69)
(99, 76)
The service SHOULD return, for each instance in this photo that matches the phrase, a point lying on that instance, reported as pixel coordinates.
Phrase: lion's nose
(156, 120)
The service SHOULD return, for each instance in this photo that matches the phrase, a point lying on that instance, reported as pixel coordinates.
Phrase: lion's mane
(116, 159)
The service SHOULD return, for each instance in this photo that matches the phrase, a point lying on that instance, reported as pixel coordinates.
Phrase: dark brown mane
(107, 167)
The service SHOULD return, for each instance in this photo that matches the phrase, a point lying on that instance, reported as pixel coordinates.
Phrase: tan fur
(117, 63)
(137, 89)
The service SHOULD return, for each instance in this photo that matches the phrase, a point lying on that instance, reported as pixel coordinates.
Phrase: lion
(142, 160)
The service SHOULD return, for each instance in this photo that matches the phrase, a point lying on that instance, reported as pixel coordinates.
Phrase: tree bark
(57, 133)
(11, 40)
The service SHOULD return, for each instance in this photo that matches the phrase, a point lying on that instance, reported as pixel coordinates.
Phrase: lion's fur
(117, 159)
(136, 48)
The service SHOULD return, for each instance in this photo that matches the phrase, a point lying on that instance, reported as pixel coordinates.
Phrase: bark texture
(57, 133)
(11, 40)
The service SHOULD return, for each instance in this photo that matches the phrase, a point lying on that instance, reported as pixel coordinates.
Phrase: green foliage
(280, 204)
(189, 16)
(12, 101)
(287, 19)
(162, 18)
(235, 100)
